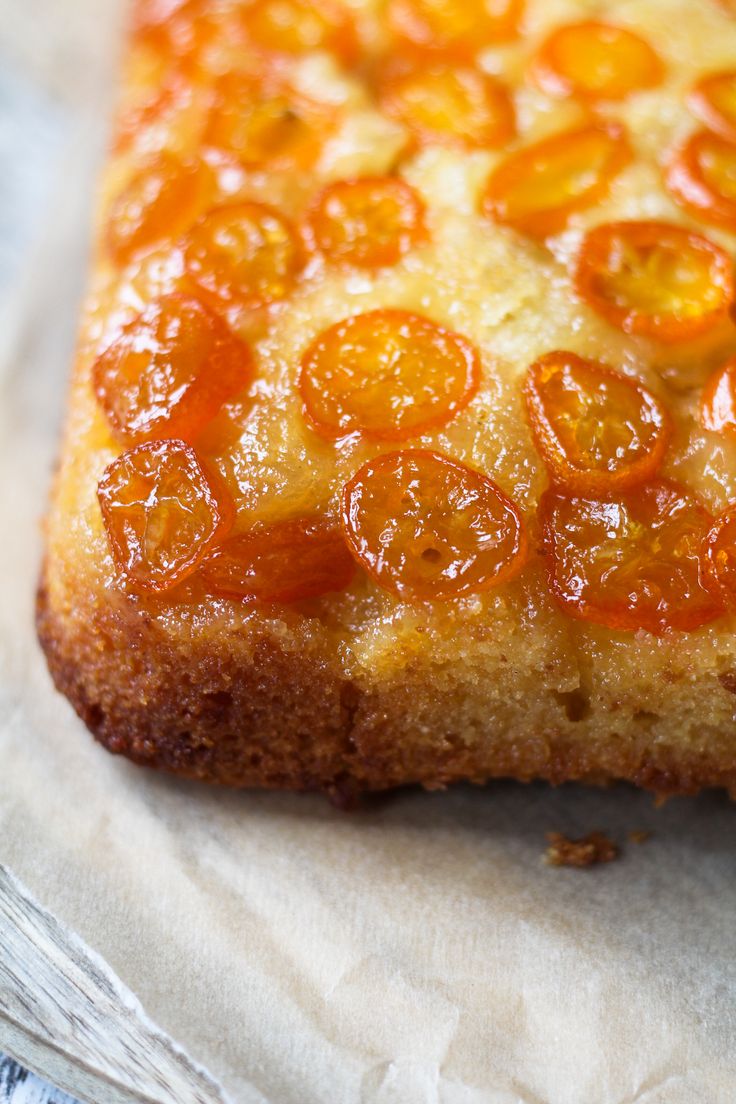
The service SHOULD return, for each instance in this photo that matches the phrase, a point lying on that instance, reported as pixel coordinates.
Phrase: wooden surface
(18, 1086)
(65, 1014)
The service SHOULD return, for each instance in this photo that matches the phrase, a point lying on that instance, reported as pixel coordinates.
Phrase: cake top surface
(416, 311)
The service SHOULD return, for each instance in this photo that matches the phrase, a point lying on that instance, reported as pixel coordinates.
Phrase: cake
(401, 442)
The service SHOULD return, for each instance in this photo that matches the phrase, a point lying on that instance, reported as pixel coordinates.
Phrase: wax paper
(416, 950)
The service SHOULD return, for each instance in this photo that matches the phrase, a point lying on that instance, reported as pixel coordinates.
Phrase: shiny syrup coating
(388, 374)
(454, 27)
(245, 253)
(631, 560)
(296, 27)
(429, 528)
(720, 574)
(170, 371)
(159, 202)
(702, 178)
(162, 513)
(240, 89)
(154, 15)
(287, 561)
(152, 105)
(368, 222)
(264, 122)
(540, 187)
(596, 61)
(655, 279)
(597, 430)
(447, 104)
(713, 100)
(170, 26)
(718, 402)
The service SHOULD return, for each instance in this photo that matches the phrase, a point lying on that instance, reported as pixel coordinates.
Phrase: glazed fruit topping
(156, 102)
(449, 105)
(718, 406)
(655, 279)
(151, 14)
(596, 61)
(713, 100)
(457, 27)
(170, 371)
(721, 558)
(283, 562)
(537, 189)
(155, 13)
(702, 178)
(367, 222)
(168, 24)
(630, 561)
(299, 26)
(427, 527)
(239, 110)
(265, 123)
(597, 430)
(387, 374)
(163, 198)
(162, 513)
(245, 253)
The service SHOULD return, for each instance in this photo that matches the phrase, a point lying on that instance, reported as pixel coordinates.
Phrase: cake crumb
(594, 848)
(639, 835)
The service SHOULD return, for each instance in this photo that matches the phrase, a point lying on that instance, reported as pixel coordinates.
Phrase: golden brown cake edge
(293, 721)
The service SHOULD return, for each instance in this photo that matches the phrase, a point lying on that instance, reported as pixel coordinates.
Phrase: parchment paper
(416, 951)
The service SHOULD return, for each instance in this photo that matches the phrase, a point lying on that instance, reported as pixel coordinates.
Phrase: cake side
(266, 705)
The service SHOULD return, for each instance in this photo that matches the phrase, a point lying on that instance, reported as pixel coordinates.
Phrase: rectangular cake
(401, 442)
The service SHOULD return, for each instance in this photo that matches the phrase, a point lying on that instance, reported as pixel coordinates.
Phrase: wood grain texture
(18, 1086)
(65, 1015)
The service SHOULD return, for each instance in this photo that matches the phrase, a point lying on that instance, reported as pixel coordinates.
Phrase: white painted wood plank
(65, 1015)
(18, 1086)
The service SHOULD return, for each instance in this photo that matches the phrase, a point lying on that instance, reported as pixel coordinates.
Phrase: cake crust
(290, 721)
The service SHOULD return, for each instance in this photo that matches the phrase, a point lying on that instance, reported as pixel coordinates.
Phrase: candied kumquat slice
(157, 204)
(157, 16)
(175, 29)
(145, 111)
(388, 374)
(718, 404)
(170, 371)
(427, 527)
(713, 100)
(449, 105)
(158, 13)
(266, 124)
(720, 576)
(168, 113)
(369, 222)
(702, 178)
(162, 513)
(537, 189)
(284, 562)
(655, 279)
(596, 61)
(595, 429)
(301, 26)
(630, 561)
(456, 27)
(245, 253)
